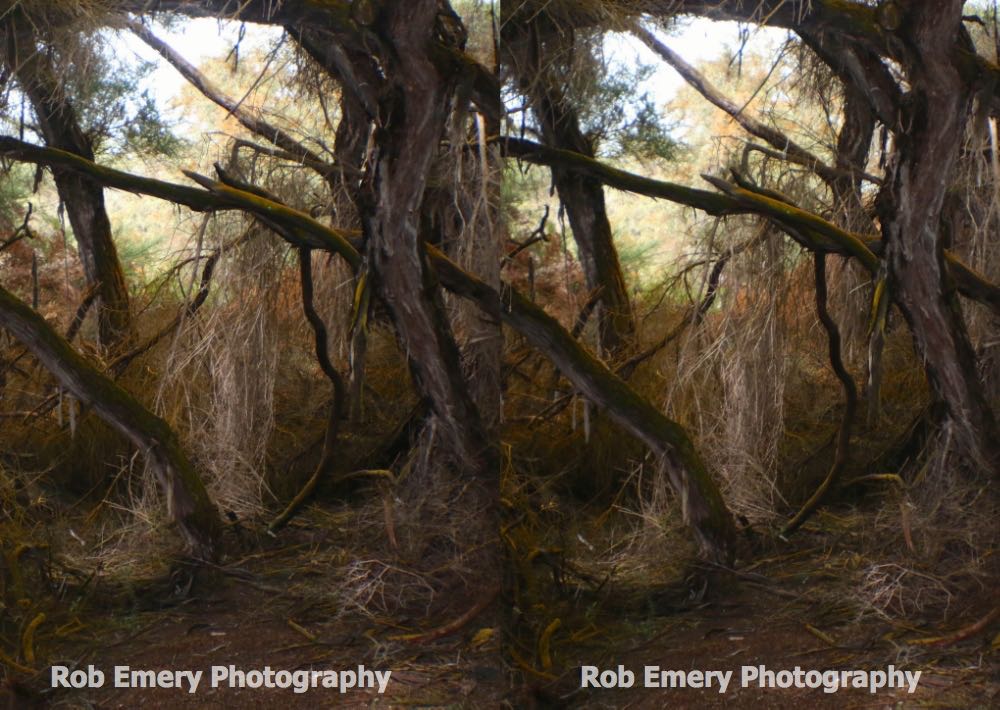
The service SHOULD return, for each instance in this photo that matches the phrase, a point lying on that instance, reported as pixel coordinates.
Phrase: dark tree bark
(927, 147)
(188, 504)
(529, 49)
(82, 197)
(413, 106)
(853, 146)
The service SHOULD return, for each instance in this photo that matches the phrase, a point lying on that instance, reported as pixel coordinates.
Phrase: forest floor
(783, 614)
(277, 605)
(278, 602)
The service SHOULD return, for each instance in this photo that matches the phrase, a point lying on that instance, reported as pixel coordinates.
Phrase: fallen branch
(963, 633)
(452, 626)
(187, 500)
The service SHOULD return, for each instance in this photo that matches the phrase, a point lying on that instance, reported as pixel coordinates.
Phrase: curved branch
(325, 23)
(336, 382)
(850, 401)
(787, 148)
(302, 230)
(252, 123)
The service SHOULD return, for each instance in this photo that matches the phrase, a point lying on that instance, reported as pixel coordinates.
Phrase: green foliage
(15, 189)
(117, 114)
(620, 121)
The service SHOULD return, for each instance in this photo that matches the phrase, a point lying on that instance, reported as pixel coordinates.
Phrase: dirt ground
(276, 605)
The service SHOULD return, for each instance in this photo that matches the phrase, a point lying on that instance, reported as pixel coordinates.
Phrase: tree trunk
(412, 113)
(82, 197)
(581, 196)
(853, 146)
(928, 145)
(188, 504)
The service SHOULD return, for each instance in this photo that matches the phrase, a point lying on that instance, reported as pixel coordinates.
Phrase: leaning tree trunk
(583, 199)
(927, 146)
(188, 504)
(82, 197)
(581, 196)
(701, 503)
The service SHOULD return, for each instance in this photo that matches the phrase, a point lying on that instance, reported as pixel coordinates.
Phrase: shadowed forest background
(449, 338)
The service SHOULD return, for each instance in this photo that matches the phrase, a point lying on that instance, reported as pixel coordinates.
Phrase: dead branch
(336, 383)
(255, 124)
(455, 625)
(786, 148)
(850, 402)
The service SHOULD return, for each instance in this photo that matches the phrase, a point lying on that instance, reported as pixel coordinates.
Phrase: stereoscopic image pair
(521, 354)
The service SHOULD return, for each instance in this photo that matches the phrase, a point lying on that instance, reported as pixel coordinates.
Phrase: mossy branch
(188, 503)
(702, 504)
(215, 196)
(810, 230)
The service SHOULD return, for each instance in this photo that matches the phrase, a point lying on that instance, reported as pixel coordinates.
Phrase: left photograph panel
(250, 354)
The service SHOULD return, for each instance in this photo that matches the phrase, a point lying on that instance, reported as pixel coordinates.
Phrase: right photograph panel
(751, 368)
